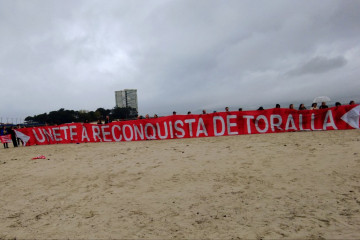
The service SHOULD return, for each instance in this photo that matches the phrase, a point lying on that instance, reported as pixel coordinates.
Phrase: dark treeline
(68, 116)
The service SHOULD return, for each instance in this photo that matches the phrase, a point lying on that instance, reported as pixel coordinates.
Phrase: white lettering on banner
(313, 122)
(159, 131)
(219, 118)
(36, 136)
(190, 121)
(84, 134)
(231, 124)
(153, 131)
(197, 126)
(96, 132)
(257, 124)
(273, 124)
(64, 128)
(139, 132)
(56, 134)
(48, 134)
(329, 116)
(179, 129)
(290, 123)
(117, 139)
(171, 130)
(201, 128)
(131, 132)
(301, 124)
(72, 133)
(105, 132)
(248, 118)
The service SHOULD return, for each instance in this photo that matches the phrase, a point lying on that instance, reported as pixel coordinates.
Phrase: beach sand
(286, 185)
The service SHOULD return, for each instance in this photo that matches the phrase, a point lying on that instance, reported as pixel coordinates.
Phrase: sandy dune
(288, 185)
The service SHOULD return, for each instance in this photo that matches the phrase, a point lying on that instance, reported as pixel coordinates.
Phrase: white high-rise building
(126, 98)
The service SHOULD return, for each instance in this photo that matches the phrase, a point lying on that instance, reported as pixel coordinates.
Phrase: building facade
(126, 98)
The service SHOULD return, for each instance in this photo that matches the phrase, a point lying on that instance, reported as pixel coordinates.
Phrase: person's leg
(14, 142)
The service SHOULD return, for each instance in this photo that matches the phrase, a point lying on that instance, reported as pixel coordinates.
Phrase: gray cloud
(180, 55)
(318, 65)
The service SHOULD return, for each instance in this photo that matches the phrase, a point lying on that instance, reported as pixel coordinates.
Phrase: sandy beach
(303, 185)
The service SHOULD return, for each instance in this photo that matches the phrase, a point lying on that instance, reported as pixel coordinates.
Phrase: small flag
(5, 138)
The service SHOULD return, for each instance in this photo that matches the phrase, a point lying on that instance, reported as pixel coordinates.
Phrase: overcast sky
(180, 55)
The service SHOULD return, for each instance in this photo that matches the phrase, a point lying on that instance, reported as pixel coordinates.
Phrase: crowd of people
(314, 106)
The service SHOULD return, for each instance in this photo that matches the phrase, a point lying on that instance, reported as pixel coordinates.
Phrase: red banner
(203, 125)
(6, 138)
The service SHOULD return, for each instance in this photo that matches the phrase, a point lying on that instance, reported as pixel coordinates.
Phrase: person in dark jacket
(323, 105)
(302, 107)
(13, 136)
(107, 120)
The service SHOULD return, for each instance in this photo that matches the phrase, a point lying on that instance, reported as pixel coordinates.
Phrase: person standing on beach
(13, 136)
(314, 106)
(18, 140)
(4, 132)
(107, 120)
(302, 107)
(323, 105)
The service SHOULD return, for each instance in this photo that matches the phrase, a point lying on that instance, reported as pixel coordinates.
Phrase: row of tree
(68, 116)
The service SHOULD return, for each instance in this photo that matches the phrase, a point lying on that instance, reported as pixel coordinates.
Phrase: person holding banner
(107, 120)
(314, 106)
(5, 137)
(302, 107)
(18, 140)
(323, 105)
(13, 136)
